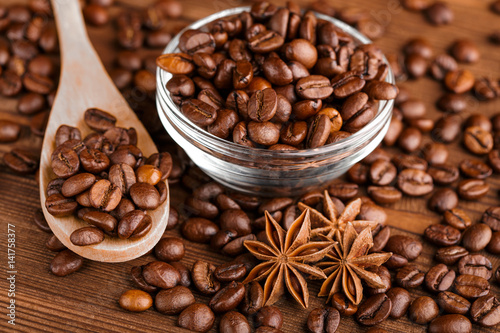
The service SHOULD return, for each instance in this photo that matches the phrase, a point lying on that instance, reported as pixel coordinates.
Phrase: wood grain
(87, 300)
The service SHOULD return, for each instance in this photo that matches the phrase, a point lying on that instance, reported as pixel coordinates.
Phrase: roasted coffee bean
(222, 237)
(485, 311)
(442, 200)
(486, 88)
(237, 220)
(169, 249)
(242, 74)
(101, 220)
(465, 51)
(122, 176)
(199, 112)
(412, 109)
(199, 230)
(65, 263)
(452, 303)
(491, 217)
(228, 297)
(479, 120)
(236, 246)
(423, 309)
(475, 169)
(343, 191)
(471, 286)
(178, 63)
(347, 84)
(476, 237)
(230, 271)
(446, 129)
(319, 131)
(253, 299)
(410, 162)
(145, 196)
(54, 244)
(408, 247)
(77, 184)
(148, 174)
(9, 131)
(65, 133)
(439, 13)
(104, 195)
(435, 153)
(201, 208)
(138, 279)
(415, 182)
(477, 140)
(60, 206)
(202, 274)
(410, 139)
(358, 173)
(197, 317)
(40, 221)
(193, 41)
(94, 160)
(384, 274)
(184, 272)
(472, 189)
(396, 261)
(453, 103)
(162, 161)
(416, 65)
(450, 323)
(22, 161)
(95, 14)
(382, 172)
(439, 278)
(374, 310)
(384, 194)
(87, 236)
(441, 65)
(265, 133)
(409, 276)
(372, 212)
(135, 300)
(400, 299)
(161, 275)
(451, 254)
(325, 319)
(494, 160)
(174, 301)
(475, 264)
(343, 304)
(380, 238)
(234, 322)
(494, 244)
(457, 218)
(459, 81)
(269, 316)
(99, 120)
(356, 112)
(442, 235)
(134, 225)
(443, 174)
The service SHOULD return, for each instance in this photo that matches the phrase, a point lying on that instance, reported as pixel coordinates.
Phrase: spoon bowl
(85, 84)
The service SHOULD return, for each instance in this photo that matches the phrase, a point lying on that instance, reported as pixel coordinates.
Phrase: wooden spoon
(84, 83)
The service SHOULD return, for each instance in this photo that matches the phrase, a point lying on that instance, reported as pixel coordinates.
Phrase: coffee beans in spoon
(268, 81)
(105, 180)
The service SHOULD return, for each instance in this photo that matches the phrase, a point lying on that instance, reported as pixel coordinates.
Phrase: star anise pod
(347, 262)
(328, 223)
(287, 254)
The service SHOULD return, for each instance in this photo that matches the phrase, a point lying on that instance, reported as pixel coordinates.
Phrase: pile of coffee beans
(105, 180)
(274, 78)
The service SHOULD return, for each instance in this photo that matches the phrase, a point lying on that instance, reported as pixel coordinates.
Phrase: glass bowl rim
(228, 147)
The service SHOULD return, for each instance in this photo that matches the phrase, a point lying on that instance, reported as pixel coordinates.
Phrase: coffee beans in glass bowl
(268, 106)
(102, 181)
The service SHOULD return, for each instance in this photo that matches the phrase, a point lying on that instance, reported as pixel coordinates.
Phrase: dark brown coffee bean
(491, 217)
(381, 90)
(476, 237)
(343, 304)
(169, 249)
(262, 105)
(384, 274)
(99, 120)
(442, 235)
(65, 263)
(242, 74)
(452, 303)
(477, 140)
(396, 261)
(410, 139)
(194, 41)
(410, 162)
(400, 299)
(10, 83)
(384, 194)
(475, 264)
(54, 186)
(197, 317)
(199, 112)
(457, 218)
(442, 200)
(269, 316)
(494, 244)
(54, 244)
(374, 310)
(318, 132)
(201, 208)
(95, 14)
(382, 172)
(9, 131)
(60, 206)
(104, 195)
(302, 110)
(443, 174)
(199, 230)
(475, 169)
(439, 13)
(161, 275)
(485, 311)
(134, 224)
(228, 297)
(416, 65)
(174, 301)
(486, 88)
(380, 238)
(441, 65)
(453, 103)
(230, 271)
(265, 133)
(253, 299)
(234, 322)
(202, 274)
(423, 309)
(409, 277)
(343, 191)
(87, 236)
(184, 272)
(415, 182)
(314, 87)
(77, 184)
(472, 189)
(465, 51)
(446, 129)
(122, 176)
(451, 254)
(435, 153)
(322, 320)
(145, 196)
(94, 160)
(40, 221)
(450, 323)
(357, 112)
(439, 278)
(21, 161)
(471, 286)
(459, 81)
(347, 84)
(408, 247)
(101, 220)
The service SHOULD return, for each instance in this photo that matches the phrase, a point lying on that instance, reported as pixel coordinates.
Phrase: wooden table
(88, 299)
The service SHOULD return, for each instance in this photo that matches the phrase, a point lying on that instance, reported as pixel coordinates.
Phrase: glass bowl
(264, 172)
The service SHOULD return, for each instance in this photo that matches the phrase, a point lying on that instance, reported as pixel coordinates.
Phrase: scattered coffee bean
(135, 300)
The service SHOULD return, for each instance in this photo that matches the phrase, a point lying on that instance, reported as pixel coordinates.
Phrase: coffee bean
(446, 129)
(174, 301)
(234, 322)
(471, 286)
(237, 220)
(65, 263)
(343, 191)
(400, 299)
(135, 300)
(230, 271)
(87, 236)
(356, 112)
(196, 317)
(380, 238)
(94, 161)
(494, 244)
(77, 184)
(475, 169)
(443, 174)
(269, 316)
(9, 131)
(423, 309)
(442, 235)
(321, 320)
(452, 303)
(465, 51)
(491, 217)
(145, 196)
(472, 189)
(60, 206)
(21, 161)
(99, 120)
(203, 279)
(228, 297)
(134, 225)
(319, 131)
(396, 261)
(453, 103)
(477, 140)
(451, 254)
(450, 323)
(476, 237)
(439, 278)
(105, 195)
(442, 200)
(169, 249)
(384, 194)
(101, 220)
(161, 275)
(410, 162)
(415, 182)
(435, 153)
(439, 14)
(382, 172)
(40, 221)
(408, 247)
(485, 311)
(199, 230)
(409, 276)
(475, 264)
(54, 244)
(343, 304)
(138, 279)
(459, 81)
(374, 310)
(486, 88)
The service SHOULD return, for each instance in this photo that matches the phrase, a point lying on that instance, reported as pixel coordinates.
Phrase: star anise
(347, 262)
(287, 254)
(328, 223)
